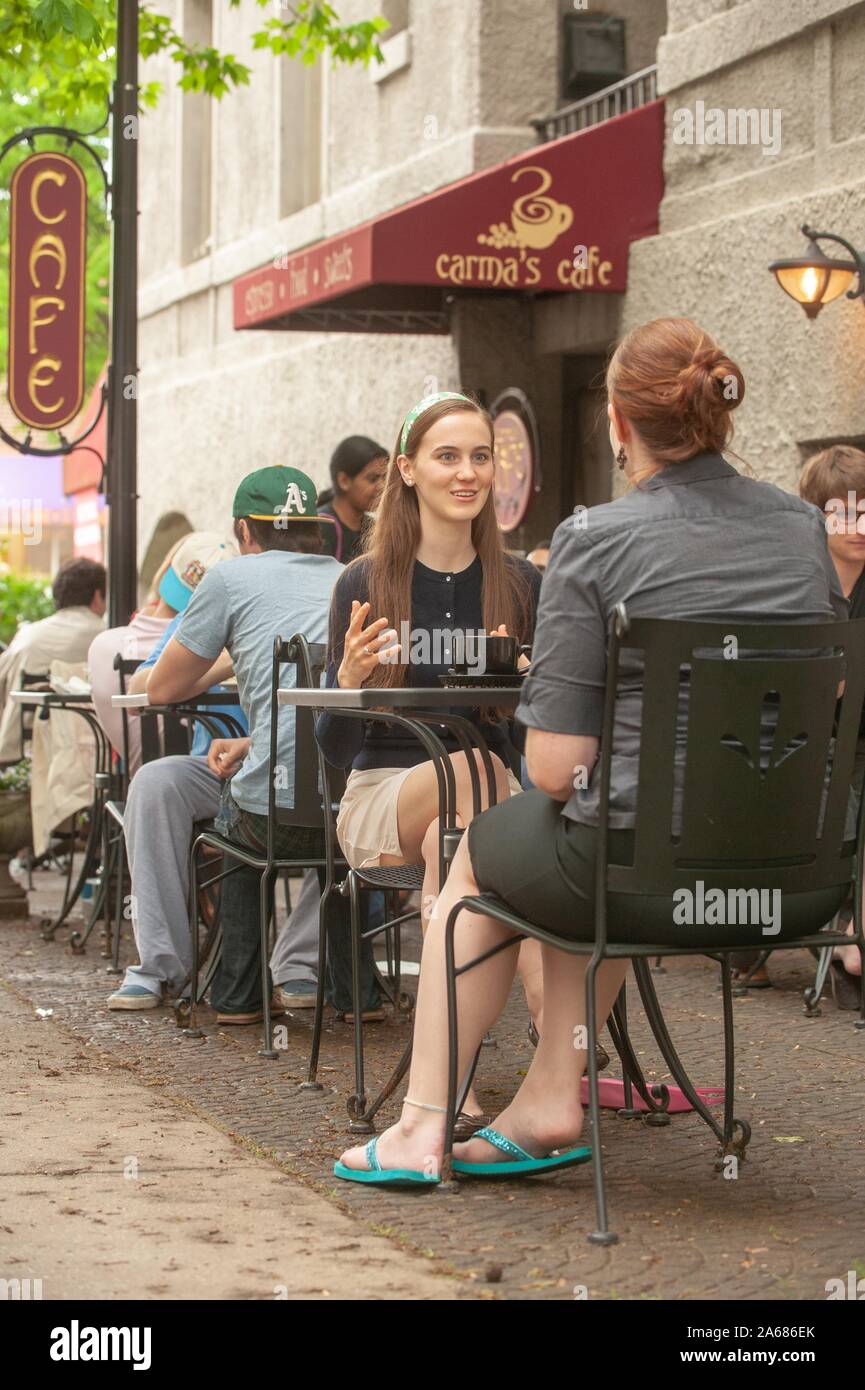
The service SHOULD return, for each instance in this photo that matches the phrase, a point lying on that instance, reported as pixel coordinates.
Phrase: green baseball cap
(275, 493)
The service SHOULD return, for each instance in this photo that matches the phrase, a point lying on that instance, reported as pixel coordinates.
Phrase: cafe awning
(557, 219)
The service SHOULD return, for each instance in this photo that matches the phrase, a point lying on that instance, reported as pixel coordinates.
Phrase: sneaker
(296, 994)
(134, 997)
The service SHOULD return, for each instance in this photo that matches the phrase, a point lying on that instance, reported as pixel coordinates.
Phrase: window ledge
(397, 56)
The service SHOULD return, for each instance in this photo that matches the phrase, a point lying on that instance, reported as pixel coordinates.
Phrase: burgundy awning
(558, 218)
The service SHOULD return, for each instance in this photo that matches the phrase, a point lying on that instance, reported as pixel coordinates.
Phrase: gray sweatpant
(165, 798)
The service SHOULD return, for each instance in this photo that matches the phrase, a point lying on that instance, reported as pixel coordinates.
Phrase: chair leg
(120, 869)
(661, 1034)
(107, 870)
(266, 910)
(357, 1102)
(191, 1022)
(732, 1147)
(603, 1235)
(312, 1083)
(453, 1044)
(812, 994)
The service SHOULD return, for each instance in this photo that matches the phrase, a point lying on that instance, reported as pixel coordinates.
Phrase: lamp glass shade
(813, 283)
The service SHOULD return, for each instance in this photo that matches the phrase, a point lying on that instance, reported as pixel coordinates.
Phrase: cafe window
(195, 118)
(300, 124)
(593, 54)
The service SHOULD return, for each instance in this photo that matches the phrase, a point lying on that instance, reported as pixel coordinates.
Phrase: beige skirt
(366, 825)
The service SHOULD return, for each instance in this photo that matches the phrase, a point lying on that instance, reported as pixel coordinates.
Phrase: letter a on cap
(295, 501)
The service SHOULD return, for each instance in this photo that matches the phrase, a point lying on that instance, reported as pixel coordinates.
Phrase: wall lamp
(814, 279)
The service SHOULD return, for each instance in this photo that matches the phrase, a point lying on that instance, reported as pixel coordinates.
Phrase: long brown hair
(393, 541)
(677, 387)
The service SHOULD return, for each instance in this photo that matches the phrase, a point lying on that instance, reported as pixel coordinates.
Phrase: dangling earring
(621, 458)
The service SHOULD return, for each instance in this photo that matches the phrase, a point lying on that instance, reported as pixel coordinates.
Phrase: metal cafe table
(44, 701)
(424, 710)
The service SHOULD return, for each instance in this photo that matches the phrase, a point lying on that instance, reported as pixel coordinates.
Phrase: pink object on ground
(612, 1095)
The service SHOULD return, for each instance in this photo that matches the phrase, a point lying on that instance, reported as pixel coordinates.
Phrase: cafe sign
(47, 257)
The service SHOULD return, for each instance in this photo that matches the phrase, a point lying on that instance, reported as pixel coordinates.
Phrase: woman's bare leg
(418, 823)
(531, 971)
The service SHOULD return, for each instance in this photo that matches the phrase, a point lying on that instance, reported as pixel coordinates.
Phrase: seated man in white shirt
(79, 594)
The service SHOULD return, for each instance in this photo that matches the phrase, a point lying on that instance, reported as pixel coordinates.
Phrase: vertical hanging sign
(47, 260)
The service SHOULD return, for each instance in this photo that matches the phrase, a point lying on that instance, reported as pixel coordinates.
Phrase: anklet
(421, 1105)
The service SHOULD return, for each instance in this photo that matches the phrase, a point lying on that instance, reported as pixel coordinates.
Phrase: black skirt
(542, 866)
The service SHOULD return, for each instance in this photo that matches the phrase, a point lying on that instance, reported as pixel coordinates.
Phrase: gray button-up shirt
(697, 540)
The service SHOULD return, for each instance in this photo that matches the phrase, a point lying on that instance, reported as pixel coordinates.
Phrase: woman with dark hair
(692, 538)
(435, 570)
(357, 471)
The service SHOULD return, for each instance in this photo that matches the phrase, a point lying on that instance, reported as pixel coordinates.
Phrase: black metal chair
(164, 731)
(307, 810)
(760, 801)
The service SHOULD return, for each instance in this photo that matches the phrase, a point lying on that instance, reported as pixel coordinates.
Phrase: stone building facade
(302, 155)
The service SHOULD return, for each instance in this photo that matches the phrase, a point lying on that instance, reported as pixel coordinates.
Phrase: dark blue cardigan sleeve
(341, 739)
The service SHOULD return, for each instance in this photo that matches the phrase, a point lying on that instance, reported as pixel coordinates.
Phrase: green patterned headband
(425, 405)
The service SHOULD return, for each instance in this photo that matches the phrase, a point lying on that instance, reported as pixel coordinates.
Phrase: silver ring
(366, 651)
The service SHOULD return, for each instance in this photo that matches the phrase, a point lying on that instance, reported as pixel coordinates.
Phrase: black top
(338, 540)
(442, 604)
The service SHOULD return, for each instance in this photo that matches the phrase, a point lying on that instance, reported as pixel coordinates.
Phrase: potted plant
(15, 834)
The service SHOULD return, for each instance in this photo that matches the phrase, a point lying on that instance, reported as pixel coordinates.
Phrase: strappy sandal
(466, 1126)
(602, 1055)
(519, 1163)
(377, 1176)
(846, 988)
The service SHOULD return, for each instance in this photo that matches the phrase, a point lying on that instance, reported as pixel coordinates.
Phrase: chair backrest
(25, 716)
(746, 753)
(308, 659)
(161, 735)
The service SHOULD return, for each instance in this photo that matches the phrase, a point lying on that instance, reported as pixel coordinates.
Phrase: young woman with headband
(435, 566)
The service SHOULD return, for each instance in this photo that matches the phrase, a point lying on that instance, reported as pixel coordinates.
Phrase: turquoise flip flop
(383, 1177)
(523, 1164)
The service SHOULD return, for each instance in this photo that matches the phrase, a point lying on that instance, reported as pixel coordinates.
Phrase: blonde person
(435, 570)
(692, 538)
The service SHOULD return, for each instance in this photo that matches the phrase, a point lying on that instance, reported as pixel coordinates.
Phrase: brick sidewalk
(792, 1220)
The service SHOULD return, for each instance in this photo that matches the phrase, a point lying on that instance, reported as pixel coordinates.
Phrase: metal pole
(123, 371)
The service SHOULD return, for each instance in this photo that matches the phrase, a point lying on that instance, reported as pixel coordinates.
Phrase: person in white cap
(182, 572)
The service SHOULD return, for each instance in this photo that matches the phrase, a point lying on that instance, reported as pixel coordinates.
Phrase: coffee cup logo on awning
(537, 222)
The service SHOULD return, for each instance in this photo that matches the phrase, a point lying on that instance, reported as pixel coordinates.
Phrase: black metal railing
(636, 90)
